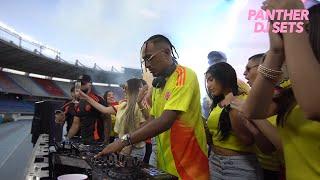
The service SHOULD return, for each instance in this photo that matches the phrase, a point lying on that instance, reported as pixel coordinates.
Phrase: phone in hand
(77, 88)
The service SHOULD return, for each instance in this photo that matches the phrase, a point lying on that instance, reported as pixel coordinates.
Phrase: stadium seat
(29, 85)
(49, 87)
(10, 86)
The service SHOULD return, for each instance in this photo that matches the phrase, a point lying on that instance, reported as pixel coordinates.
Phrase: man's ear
(167, 51)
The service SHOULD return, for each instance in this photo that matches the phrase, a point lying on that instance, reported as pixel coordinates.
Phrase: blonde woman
(130, 114)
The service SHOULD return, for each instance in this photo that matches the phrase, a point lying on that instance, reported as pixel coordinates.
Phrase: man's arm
(151, 129)
(74, 128)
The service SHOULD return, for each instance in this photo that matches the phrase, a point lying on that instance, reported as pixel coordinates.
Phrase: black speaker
(43, 121)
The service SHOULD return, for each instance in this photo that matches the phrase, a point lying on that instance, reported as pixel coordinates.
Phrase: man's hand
(116, 146)
(237, 104)
(59, 118)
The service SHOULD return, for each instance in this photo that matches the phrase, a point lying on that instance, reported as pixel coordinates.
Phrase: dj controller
(77, 158)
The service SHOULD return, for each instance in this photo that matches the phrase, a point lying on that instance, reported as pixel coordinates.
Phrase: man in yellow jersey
(270, 163)
(176, 115)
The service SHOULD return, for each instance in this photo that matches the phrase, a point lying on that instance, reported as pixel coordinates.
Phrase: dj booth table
(76, 158)
(38, 165)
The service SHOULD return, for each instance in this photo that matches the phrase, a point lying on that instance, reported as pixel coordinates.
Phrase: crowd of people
(268, 131)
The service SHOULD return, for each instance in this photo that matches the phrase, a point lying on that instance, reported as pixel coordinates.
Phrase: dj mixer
(77, 158)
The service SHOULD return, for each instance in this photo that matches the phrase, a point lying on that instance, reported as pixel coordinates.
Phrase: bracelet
(270, 74)
(270, 71)
(269, 77)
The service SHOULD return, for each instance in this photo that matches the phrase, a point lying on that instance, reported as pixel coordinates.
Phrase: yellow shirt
(182, 150)
(120, 120)
(232, 142)
(271, 161)
(113, 121)
(301, 144)
(243, 87)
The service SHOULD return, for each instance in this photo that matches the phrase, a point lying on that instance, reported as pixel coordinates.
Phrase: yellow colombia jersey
(271, 161)
(113, 121)
(231, 142)
(182, 150)
(301, 145)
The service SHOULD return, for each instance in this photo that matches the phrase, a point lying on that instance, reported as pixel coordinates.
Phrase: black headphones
(160, 81)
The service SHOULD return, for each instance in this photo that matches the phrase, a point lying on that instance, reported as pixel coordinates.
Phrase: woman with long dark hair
(297, 104)
(232, 153)
(110, 100)
(130, 114)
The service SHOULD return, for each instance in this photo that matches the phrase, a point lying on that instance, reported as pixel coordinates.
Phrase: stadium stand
(49, 87)
(29, 85)
(65, 86)
(15, 55)
(9, 86)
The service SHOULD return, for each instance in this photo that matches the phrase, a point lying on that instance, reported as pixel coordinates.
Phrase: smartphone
(77, 88)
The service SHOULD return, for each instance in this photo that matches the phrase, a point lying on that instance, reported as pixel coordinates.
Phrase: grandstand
(19, 91)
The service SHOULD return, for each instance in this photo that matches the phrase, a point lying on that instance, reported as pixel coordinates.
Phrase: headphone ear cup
(160, 82)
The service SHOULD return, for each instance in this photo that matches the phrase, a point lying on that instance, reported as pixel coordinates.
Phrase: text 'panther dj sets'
(76, 158)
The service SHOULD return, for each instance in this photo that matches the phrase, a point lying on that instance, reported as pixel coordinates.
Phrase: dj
(176, 114)
(94, 125)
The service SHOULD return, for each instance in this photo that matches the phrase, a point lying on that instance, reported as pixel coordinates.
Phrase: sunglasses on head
(83, 82)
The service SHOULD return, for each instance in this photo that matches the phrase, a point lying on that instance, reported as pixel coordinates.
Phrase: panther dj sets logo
(284, 20)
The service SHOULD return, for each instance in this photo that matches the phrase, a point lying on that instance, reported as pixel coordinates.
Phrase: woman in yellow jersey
(232, 155)
(110, 100)
(130, 114)
(297, 107)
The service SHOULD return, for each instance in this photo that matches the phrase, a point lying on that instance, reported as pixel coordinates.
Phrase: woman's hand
(282, 4)
(276, 41)
(142, 93)
(83, 95)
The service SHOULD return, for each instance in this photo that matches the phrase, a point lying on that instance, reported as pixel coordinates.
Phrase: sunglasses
(149, 59)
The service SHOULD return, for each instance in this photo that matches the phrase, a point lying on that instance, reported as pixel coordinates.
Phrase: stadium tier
(49, 87)
(29, 85)
(19, 92)
(8, 85)
(24, 85)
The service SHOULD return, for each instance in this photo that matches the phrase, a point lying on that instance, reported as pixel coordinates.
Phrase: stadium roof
(14, 57)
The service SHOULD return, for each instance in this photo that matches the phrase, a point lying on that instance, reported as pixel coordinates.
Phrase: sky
(111, 32)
